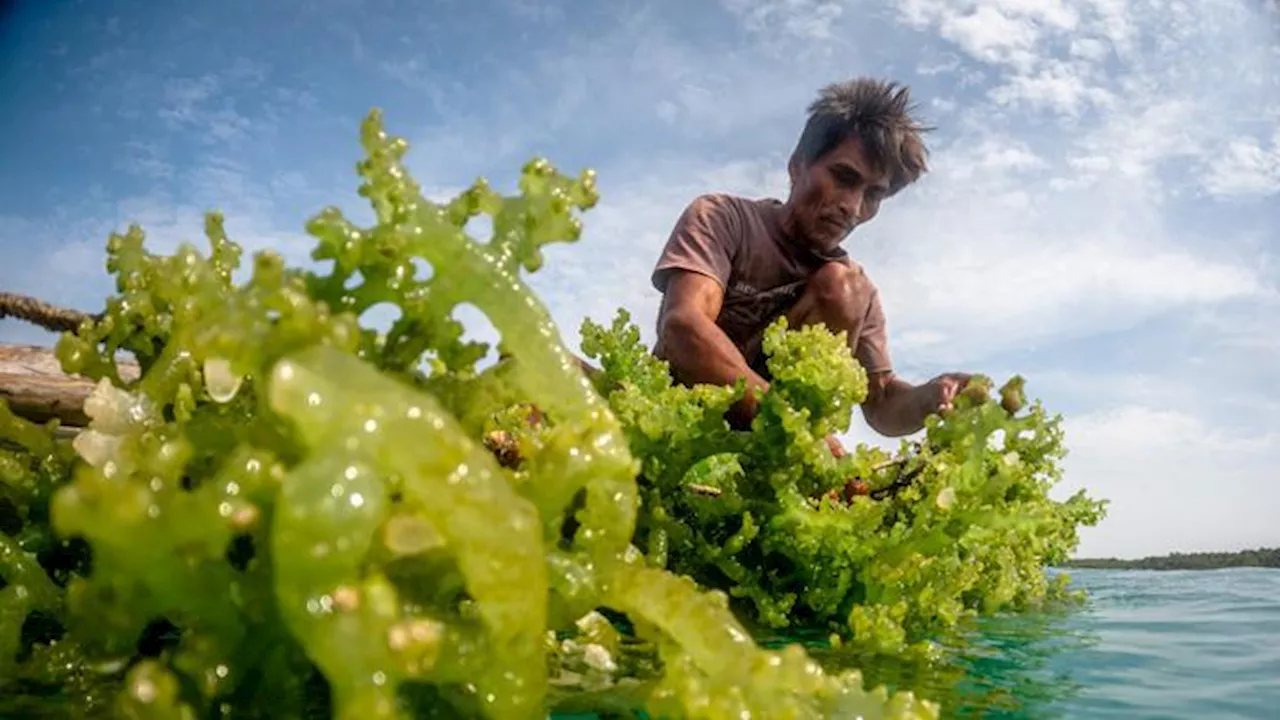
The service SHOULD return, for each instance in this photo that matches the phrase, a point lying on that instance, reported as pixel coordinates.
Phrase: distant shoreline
(1260, 558)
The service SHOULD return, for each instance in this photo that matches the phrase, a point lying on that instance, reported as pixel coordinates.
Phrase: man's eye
(847, 178)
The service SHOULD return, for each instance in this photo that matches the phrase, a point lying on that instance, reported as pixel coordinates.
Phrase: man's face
(833, 195)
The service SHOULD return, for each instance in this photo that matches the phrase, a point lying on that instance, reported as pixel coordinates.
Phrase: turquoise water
(1182, 644)
(1149, 645)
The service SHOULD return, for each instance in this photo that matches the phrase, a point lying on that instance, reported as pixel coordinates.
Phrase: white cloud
(1001, 33)
(1249, 332)
(1175, 483)
(1138, 140)
(1058, 86)
(1051, 291)
(78, 264)
(185, 97)
(1247, 167)
(417, 75)
(146, 159)
(986, 160)
(805, 19)
(988, 255)
(1144, 66)
(206, 104)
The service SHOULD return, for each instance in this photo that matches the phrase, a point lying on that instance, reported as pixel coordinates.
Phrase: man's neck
(791, 237)
(789, 230)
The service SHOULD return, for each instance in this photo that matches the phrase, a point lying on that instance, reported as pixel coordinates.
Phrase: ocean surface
(1173, 645)
(1201, 645)
(1148, 645)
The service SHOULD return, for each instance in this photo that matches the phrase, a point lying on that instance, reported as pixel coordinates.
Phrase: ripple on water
(1177, 645)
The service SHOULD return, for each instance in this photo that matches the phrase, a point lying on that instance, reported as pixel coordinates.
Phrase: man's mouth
(835, 225)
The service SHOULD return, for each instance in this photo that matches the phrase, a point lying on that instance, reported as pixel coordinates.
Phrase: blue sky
(1102, 216)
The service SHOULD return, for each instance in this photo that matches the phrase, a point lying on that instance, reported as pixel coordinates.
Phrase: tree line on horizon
(1259, 557)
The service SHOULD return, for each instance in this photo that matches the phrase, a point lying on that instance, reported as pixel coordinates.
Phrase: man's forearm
(700, 352)
(896, 409)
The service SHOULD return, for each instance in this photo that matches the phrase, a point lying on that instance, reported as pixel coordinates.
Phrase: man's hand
(895, 408)
(939, 394)
(837, 449)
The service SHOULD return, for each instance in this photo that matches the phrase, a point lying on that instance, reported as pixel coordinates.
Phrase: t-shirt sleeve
(702, 241)
(873, 344)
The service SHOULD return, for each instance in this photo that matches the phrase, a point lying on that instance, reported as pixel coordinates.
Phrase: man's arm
(696, 348)
(895, 407)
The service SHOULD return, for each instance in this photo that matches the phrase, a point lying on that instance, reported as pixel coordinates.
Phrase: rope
(39, 312)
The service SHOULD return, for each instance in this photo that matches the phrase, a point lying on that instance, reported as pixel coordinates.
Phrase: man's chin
(830, 243)
(826, 241)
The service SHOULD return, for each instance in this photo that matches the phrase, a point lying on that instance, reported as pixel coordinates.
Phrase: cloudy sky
(1102, 216)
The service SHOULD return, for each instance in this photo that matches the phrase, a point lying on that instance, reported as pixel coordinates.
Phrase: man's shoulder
(744, 205)
(727, 220)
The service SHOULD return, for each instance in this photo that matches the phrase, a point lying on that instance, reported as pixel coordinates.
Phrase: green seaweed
(289, 513)
(957, 524)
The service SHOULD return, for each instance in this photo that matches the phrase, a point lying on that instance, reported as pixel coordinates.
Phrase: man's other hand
(939, 394)
(837, 449)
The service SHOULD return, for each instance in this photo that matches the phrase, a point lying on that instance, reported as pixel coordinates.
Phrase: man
(732, 265)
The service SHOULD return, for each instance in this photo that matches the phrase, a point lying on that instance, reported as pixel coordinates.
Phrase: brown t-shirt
(739, 242)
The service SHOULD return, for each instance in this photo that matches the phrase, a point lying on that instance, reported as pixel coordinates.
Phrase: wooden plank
(32, 381)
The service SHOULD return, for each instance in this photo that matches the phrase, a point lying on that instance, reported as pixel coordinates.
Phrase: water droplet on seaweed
(145, 691)
(220, 382)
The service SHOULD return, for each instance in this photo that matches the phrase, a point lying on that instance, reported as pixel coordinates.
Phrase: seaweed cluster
(288, 513)
(894, 553)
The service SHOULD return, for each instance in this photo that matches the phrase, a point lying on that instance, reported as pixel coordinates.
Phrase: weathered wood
(32, 381)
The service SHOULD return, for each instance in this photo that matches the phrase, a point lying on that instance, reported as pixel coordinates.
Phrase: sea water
(1170, 644)
(1173, 645)
(1201, 645)
(1147, 646)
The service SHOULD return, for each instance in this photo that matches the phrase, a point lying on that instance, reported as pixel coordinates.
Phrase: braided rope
(39, 312)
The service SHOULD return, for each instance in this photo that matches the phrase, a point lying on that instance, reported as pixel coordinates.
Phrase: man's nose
(854, 205)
